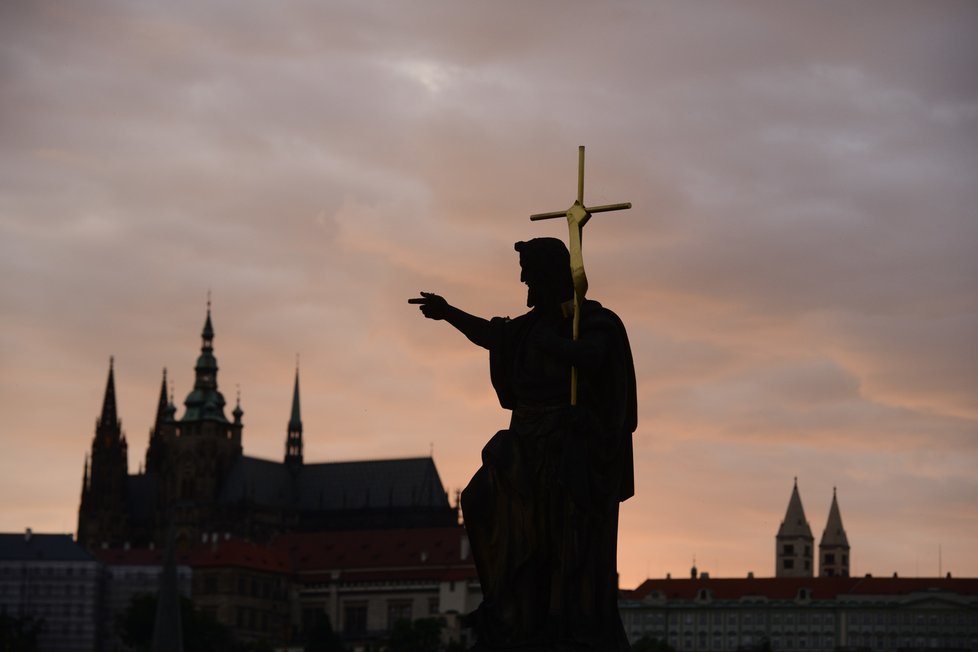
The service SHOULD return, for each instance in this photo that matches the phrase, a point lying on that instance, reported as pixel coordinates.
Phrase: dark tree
(321, 637)
(423, 635)
(650, 644)
(19, 634)
(201, 633)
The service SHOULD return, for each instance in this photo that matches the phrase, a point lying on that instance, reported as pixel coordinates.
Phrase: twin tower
(795, 543)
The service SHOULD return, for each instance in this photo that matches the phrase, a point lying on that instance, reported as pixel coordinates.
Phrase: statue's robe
(542, 511)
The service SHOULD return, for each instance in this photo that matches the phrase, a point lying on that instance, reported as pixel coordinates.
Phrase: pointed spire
(295, 421)
(163, 403)
(238, 412)
(293, 441)
(205, 402)
(109, 415)
(795, 523)
(208, 333)
(834, 533)
(85, 482)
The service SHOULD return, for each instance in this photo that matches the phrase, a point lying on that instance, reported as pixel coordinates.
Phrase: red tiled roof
(136, 557)
(414, 554)
(418, 553)
(787, 588)
(239, 554)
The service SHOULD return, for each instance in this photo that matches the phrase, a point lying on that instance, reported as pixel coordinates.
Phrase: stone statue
(542, 511)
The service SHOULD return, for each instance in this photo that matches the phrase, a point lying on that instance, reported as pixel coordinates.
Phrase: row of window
(258, 620)
(57, 609)
(355, 614)
(60, 571)
(853, 619)
(738, 618)
(46, 589)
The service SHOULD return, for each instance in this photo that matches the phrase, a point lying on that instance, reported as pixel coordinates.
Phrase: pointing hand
(432, 306)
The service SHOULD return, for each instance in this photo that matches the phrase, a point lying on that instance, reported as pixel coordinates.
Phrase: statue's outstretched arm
(435, 307)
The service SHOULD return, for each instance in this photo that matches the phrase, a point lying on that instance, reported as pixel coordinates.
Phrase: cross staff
(577, 216)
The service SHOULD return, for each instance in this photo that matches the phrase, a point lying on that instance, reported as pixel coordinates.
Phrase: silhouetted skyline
(797, 272)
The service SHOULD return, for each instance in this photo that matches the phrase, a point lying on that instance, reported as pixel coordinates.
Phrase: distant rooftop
(30, 546)
(787, 588)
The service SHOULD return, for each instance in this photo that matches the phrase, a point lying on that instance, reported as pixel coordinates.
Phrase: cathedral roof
(795, 524)
(411, 482)
(834, 534)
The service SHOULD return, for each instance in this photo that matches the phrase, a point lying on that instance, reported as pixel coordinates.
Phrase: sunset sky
(798, 275)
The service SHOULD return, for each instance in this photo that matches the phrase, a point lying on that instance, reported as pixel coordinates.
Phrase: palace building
(797, 610)
(198, 480)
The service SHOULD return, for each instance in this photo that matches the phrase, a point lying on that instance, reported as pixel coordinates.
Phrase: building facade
(365, 584)
(49, 579)
(814, 614)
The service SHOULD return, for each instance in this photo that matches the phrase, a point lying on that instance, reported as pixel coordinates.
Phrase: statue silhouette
(542, 511)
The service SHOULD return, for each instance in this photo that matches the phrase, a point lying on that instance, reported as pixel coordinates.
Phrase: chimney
(750, 575)
(27, 535)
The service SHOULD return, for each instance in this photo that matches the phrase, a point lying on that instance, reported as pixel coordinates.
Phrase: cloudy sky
(798, 273)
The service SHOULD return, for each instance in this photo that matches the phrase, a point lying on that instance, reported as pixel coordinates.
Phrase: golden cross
(577, 216)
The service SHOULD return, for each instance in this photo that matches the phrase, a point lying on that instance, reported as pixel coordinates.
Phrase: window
(789, 564)
(355, 618)
(433, 606)
(789, 549)
(398, 610)
(830, 558)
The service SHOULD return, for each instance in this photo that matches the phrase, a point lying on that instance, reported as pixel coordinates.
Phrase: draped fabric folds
(542, 511)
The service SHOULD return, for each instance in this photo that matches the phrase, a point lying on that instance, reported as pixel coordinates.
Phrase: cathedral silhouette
(198, 480)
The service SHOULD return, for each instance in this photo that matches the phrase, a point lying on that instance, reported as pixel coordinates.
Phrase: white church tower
(794, 541)
(833, 549)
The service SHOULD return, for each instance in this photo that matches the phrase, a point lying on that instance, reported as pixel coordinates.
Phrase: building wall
(253, 604)
(64, 594)
(363, 613)
(933, 620)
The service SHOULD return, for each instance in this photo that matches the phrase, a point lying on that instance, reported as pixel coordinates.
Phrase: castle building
(198, 479)
(809, 614)
(797, 611)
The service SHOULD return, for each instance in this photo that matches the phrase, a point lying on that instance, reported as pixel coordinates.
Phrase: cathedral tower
(833, 549)
(293, 440)
(102, 515)
(201, 451)
(794, 541)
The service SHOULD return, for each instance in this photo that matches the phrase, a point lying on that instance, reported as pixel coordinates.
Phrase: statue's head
(545, 265)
